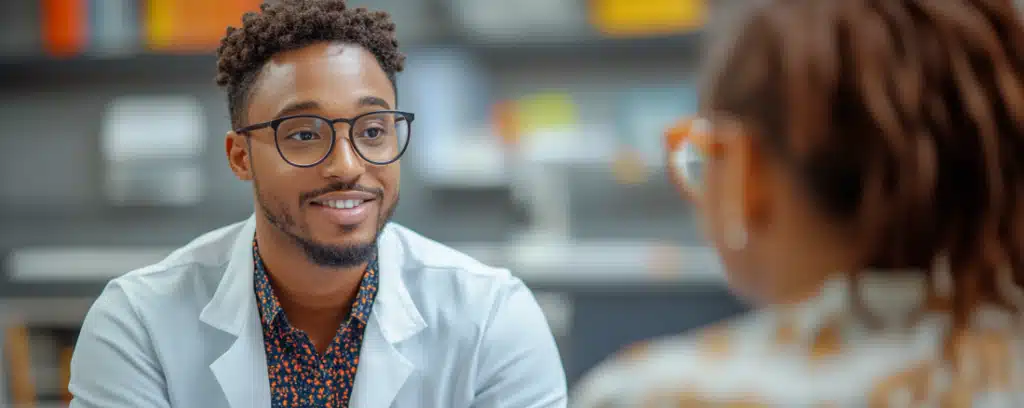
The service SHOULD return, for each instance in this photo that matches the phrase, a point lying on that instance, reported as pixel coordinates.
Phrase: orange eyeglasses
(690, 143)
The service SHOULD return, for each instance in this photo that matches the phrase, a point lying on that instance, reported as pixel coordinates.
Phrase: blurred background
(537, 147)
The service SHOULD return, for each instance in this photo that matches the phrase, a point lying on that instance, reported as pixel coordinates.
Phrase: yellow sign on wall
(160, 20)
(191, 25)
(647, 17)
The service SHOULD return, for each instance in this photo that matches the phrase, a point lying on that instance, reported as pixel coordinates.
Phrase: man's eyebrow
(297, 107)
(374, 101)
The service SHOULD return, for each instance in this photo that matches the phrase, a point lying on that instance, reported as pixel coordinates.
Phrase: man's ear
(237, 149)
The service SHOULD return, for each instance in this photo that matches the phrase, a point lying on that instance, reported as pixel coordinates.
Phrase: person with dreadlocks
(859, 166)
(316, 300)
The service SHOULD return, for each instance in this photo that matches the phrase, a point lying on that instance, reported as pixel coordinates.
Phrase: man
(316, 301)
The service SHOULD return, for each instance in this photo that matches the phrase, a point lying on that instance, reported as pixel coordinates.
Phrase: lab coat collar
(382, 369)
(235, 295)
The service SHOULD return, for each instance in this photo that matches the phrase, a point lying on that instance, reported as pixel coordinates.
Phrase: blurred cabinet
(19, 365)
(605, 322)
(37, 365)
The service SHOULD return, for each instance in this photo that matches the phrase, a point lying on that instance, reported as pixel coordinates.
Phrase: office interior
(537, 147)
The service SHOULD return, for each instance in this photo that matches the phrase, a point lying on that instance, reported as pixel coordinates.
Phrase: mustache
(339, 186)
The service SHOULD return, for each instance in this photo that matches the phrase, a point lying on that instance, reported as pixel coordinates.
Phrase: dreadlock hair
(292, 24)
(903, 119)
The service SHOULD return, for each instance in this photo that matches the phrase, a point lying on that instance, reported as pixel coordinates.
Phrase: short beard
(327, 256)
(333, 256)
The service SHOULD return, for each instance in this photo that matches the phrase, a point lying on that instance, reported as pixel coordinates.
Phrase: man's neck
(315, 299)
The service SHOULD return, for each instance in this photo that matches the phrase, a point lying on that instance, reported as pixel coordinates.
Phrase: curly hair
(904, 119)
(292, 24)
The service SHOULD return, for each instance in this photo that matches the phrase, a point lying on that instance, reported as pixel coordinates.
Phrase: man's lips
(344, 199)
(348, 208)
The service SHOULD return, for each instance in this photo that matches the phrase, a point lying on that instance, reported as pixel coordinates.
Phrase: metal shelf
(26, 71)
(15, 71)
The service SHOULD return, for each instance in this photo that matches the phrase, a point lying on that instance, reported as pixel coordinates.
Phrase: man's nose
(343, 162)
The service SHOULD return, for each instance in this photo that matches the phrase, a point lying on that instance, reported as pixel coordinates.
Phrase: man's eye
(303, 136)
(372, 133)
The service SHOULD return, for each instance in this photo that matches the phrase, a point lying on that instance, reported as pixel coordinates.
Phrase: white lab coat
(445, 332)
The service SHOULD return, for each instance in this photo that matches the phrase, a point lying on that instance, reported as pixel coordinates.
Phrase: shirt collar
(270, 306)
(891, 298)
(266, 300)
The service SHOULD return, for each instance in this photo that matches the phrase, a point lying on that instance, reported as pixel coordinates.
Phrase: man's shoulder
(424, 254)
(444, 282)
(191, 271)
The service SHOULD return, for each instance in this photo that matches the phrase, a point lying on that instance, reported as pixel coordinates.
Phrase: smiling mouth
(341, 204)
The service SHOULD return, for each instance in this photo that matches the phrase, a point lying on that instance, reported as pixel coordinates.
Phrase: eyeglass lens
(378, 138)
(690, 160)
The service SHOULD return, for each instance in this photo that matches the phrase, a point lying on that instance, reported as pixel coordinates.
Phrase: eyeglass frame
(275, 123)
(677, 136)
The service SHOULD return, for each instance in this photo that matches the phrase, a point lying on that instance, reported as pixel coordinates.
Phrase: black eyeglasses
(379, 137)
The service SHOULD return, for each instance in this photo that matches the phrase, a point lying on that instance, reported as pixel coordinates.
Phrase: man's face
(332, 81)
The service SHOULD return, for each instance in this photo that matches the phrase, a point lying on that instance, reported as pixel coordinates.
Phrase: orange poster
(65, 26)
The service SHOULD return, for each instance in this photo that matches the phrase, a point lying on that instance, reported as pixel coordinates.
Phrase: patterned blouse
(822, 353)
(299, 376)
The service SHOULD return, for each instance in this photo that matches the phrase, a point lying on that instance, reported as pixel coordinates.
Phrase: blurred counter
(551, 263)
(598, 295)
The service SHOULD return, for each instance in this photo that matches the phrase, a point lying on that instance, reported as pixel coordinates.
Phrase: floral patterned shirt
(299, 375)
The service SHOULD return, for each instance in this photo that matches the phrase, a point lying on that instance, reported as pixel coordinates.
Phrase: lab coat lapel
(383, 369)
(241, 370)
